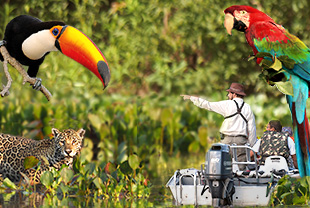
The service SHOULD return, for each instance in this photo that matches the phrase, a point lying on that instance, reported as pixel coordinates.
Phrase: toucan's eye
(55, 31)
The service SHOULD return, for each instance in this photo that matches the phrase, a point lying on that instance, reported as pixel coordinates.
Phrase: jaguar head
(68, 142)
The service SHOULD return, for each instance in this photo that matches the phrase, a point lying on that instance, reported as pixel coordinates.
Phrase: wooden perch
(9, 59)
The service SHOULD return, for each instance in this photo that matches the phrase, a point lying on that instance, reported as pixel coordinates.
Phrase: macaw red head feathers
(241, 17)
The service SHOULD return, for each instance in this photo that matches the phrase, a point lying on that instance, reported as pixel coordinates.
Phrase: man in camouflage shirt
(275, 142)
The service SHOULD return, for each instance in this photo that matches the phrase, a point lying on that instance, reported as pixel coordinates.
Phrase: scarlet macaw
(264, 35)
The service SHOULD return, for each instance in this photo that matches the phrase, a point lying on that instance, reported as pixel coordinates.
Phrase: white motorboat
(219, 181)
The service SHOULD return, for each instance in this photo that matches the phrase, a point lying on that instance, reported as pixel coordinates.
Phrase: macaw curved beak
(229, 22)
(76, 45)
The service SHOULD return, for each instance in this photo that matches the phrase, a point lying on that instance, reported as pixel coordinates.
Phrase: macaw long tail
(301, 137)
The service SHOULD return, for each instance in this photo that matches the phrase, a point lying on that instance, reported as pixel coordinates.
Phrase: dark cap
(236, 88)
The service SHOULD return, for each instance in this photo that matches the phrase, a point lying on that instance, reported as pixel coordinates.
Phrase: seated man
(275, 142)
(289, 132)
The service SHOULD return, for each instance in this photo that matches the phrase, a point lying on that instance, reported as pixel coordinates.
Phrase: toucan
(29, 40)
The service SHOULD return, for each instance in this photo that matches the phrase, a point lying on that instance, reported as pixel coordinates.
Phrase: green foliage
(292, 191)
(9, 184)
(101, 180)
(47, 179)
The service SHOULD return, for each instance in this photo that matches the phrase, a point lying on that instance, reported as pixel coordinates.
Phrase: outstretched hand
(186, 97)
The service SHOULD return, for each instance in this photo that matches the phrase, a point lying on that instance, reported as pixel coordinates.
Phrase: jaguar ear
(81, 132)
(55, 132)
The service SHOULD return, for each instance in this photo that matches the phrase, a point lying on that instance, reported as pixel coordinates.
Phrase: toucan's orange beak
(76, 45)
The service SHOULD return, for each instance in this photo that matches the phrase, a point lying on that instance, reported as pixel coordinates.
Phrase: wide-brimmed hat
(236, 88)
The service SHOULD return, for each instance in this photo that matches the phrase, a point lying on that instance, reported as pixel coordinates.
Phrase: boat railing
(248, 161)
(177, 181)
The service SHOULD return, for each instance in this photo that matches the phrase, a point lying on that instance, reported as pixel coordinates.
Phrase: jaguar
(52, 153)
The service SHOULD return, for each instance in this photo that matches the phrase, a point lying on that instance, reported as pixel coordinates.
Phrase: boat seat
(274, 163)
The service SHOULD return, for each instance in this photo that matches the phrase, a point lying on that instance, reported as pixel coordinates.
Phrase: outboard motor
(218, 173)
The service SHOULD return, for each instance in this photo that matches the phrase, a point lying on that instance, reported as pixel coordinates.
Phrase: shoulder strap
(238, 112)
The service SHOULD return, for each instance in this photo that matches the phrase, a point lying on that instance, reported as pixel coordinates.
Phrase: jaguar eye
(55, 31)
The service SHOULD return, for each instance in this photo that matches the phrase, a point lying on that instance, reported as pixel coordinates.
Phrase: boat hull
(248, 192)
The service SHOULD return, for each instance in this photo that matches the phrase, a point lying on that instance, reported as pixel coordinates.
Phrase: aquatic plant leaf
(74, 179)
(302, 200)
(64, 188)
(98, 183)
(134, 161)
(47, 178)
(125, 168)
(109, 168)
(89, 168)
(7, 197)
(8, 183)
(87, 151)
(102, 165)
(30, 162)
(103, 177)
(67, 175)
(287, 198)
(305, 181)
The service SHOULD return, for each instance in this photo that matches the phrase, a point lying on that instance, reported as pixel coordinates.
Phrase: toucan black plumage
(29, 40)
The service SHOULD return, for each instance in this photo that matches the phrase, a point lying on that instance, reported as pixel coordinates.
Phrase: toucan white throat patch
(38, 44)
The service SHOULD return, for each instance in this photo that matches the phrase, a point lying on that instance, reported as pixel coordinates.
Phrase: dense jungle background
(156, 50)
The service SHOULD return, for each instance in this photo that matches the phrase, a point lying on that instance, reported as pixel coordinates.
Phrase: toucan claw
(37, 85)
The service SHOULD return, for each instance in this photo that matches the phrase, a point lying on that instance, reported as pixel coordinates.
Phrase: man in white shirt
(239, 122)
(275, 142)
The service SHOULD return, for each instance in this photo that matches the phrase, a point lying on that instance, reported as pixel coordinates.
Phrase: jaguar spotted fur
(57, 151)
